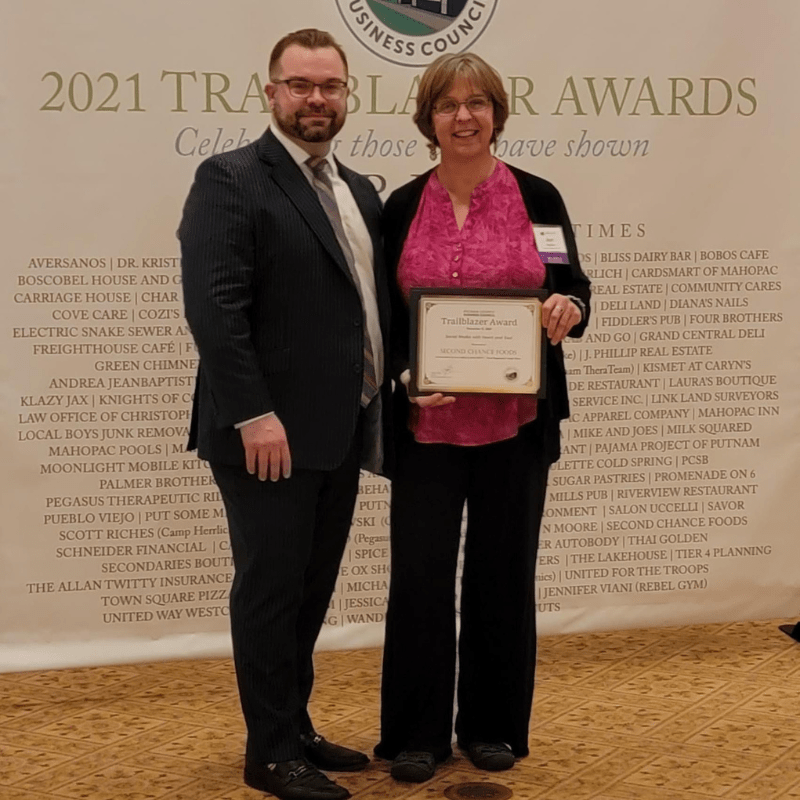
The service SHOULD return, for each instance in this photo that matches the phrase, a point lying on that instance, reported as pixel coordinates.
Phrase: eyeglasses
(448, 106)
(300, 87)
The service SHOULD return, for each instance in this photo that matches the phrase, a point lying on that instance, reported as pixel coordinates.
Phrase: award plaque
(476, 341)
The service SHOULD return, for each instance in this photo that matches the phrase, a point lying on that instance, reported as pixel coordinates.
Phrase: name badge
(551, 244)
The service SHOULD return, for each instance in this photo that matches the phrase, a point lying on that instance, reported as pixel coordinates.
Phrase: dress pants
(503, 485)
(287, 541)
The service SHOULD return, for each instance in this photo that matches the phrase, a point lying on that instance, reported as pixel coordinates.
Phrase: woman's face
(463, 121)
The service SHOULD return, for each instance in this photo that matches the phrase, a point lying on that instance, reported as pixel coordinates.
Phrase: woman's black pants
(503, 485)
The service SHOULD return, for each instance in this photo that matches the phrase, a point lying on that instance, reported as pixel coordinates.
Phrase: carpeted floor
(696, 712)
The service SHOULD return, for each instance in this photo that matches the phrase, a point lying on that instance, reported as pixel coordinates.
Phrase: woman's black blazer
(545, 206)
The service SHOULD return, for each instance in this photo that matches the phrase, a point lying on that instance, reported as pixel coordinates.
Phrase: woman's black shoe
(413, 766)
(491, 756)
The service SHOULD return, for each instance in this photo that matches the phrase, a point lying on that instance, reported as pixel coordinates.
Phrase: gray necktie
(324, 189)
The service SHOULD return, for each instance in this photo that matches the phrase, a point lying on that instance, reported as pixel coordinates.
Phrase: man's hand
(266, 448)
(559, 316)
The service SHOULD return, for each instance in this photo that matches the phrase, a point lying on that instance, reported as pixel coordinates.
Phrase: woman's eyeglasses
(448, 106)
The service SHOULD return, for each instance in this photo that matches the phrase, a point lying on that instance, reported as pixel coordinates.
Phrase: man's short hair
(311, 39)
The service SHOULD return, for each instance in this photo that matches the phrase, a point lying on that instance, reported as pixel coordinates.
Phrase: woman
(468, 223)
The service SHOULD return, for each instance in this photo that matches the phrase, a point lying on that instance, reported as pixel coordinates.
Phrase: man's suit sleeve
(218, 261)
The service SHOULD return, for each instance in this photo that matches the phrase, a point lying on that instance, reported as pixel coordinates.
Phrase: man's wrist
(253, 419)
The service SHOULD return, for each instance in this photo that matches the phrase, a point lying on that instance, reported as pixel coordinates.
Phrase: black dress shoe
(491, 756)
(293, 780)
(327, 755)
(413, 766)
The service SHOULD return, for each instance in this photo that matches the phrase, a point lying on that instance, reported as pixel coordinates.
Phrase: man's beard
(306, 131)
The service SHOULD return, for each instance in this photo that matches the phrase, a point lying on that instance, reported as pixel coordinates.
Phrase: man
(286, 298)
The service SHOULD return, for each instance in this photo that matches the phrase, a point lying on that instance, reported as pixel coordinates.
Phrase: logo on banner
(412, 33)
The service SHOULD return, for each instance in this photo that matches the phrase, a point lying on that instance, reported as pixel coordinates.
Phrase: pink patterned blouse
(494, 249)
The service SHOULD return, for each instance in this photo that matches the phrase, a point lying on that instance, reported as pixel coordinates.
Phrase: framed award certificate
(477, 341)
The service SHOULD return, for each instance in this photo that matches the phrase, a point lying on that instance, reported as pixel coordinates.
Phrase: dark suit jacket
(275, 314)
(544, 205)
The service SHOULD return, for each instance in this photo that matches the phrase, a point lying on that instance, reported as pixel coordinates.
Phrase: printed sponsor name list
(671, 395)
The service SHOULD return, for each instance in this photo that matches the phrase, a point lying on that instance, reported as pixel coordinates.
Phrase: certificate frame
(522, 371)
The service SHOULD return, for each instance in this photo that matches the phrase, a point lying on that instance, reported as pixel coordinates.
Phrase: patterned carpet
(694, 712)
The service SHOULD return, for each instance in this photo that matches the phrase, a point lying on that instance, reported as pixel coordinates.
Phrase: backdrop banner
(670, 130)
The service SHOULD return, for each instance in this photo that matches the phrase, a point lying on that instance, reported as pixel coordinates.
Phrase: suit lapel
(288, 176)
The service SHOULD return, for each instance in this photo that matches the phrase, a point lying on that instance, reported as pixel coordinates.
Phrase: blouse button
(455, 274)
(455, 258)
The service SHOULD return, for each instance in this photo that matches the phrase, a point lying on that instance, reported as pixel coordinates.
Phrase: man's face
(315, 118)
